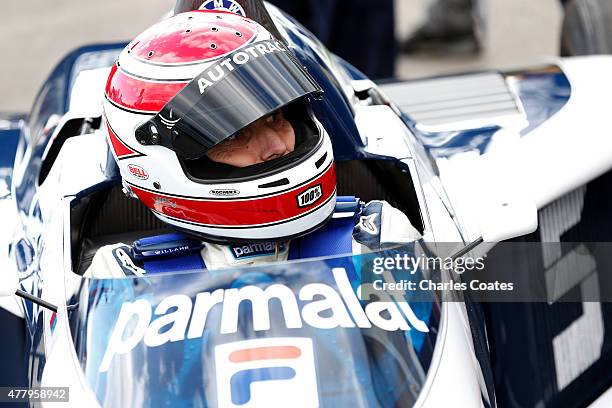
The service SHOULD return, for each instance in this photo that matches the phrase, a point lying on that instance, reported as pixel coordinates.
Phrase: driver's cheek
(289, 137)
(246, 156)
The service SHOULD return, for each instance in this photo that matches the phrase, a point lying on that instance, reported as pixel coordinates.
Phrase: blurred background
(35, 35)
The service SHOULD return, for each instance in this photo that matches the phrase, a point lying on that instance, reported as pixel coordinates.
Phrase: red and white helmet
(190, 82)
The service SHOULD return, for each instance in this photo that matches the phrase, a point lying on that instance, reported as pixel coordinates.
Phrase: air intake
(458, 102)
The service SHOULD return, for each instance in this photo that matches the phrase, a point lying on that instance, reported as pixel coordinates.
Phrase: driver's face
(268, 138)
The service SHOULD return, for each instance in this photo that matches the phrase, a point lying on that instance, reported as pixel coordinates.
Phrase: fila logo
(309, 196)
(269, 372)
(138, 172)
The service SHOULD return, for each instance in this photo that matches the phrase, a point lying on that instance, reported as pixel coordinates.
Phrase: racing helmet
(189, 83)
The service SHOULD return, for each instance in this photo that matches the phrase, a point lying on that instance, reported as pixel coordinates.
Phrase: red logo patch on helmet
(138, 172)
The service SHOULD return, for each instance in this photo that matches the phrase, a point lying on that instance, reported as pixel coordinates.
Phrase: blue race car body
(301, 332)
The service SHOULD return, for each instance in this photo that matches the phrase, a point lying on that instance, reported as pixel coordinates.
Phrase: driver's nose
(272, 144)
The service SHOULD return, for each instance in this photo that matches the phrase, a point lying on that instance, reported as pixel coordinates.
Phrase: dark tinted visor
(233, 93)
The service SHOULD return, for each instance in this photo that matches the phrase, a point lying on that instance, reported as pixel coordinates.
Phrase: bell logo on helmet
(225, 192)
(310, 196)
(138, 172)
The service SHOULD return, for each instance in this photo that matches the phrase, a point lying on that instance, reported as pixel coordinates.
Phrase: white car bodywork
(558, 156)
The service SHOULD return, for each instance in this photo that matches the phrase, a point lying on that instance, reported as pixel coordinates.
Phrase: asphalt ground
(36, 34)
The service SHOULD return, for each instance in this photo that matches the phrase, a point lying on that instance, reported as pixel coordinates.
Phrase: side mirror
(506, 210)
(9, 286)
(505, 207)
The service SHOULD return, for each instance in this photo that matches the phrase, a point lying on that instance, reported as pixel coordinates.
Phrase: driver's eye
(238, 135)
(274, 119)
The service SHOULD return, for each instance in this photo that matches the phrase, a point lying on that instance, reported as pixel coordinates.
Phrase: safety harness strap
(335, 238)
(178, 253)
(173, 252)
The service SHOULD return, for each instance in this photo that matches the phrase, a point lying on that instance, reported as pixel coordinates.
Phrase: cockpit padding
(108, 217)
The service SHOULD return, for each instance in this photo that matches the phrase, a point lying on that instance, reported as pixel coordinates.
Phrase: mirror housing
(506, 213)
(492, 193)
(507, 209)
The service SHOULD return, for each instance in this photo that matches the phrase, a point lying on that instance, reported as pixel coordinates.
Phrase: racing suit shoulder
(113, 261)
(381, 225)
